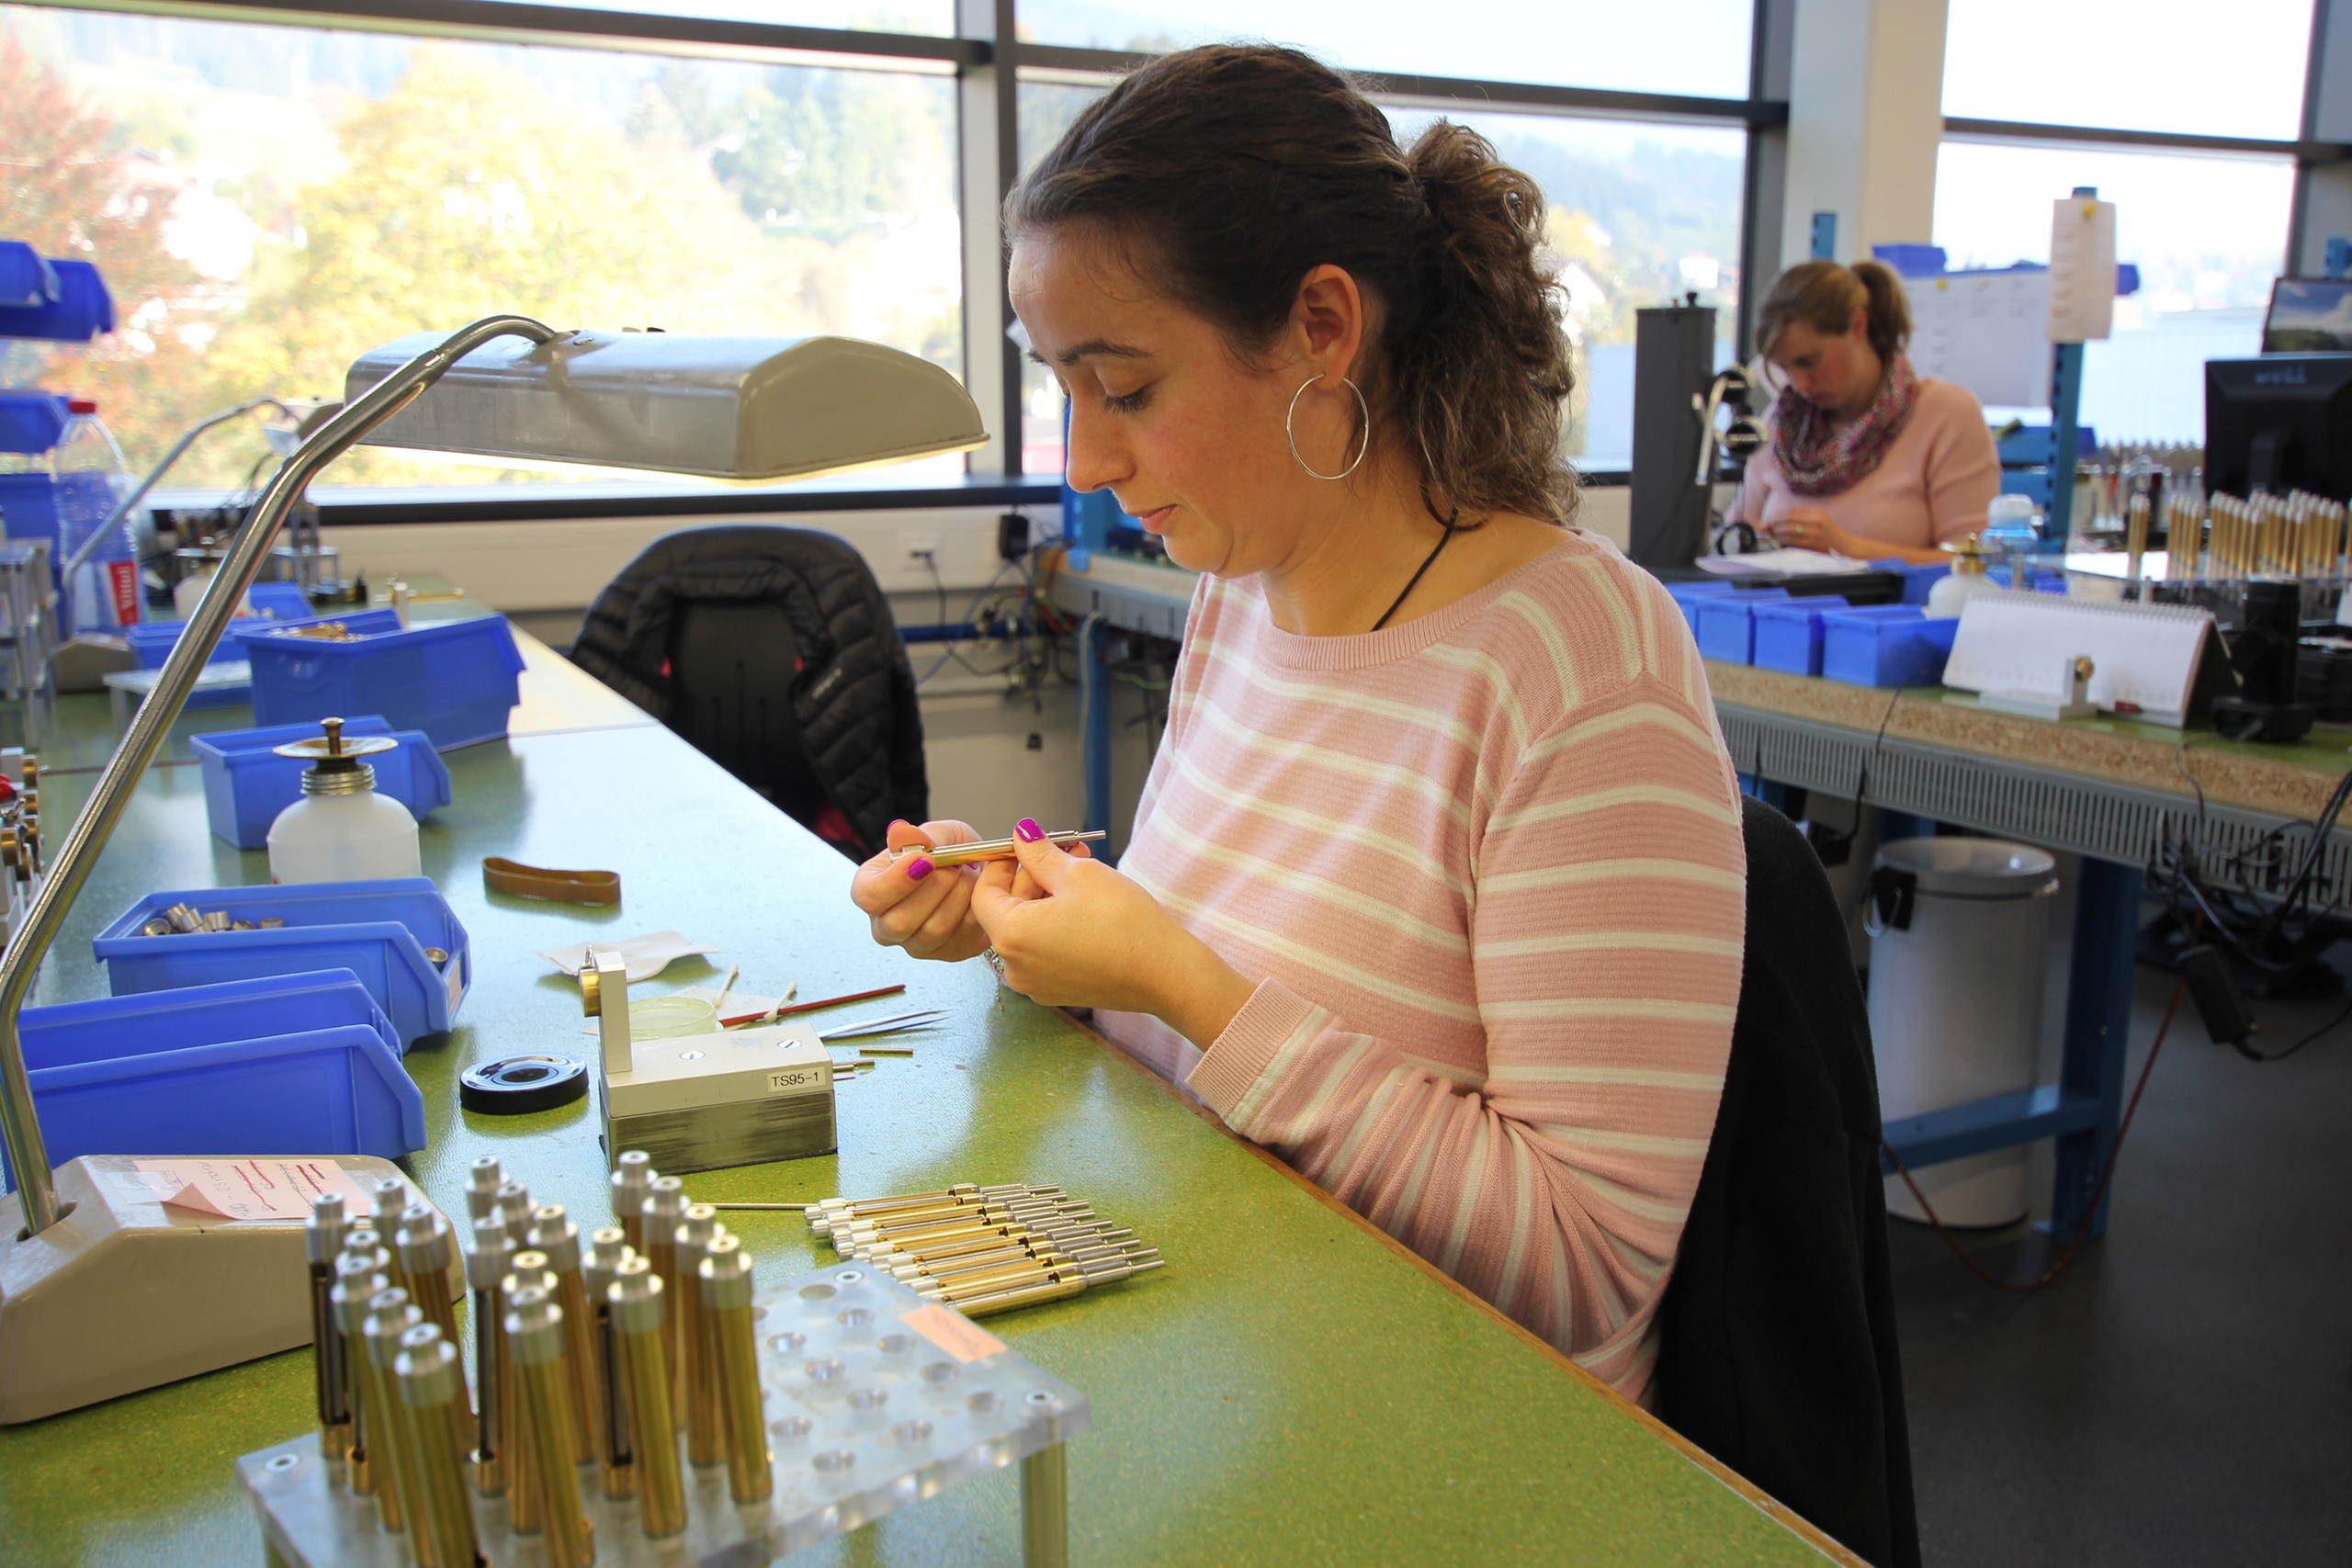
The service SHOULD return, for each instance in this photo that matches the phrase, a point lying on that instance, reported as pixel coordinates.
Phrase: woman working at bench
(1866, 458)
(1436, 885)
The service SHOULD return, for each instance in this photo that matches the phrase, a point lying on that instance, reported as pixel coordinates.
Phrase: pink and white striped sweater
(1489, 865)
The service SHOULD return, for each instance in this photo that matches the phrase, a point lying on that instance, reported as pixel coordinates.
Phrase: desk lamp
(102, 1290)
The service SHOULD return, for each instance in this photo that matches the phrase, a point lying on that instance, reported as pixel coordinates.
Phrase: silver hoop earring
(1363, 446)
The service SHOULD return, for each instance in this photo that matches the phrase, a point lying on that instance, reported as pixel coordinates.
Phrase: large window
(2207, 232)
(2169, 66)
(2203, 215)
(270, 198)
(270, 202)
(1687, 47)
(1638, 214)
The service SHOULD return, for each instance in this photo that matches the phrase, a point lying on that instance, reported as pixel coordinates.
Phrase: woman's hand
(926, 909)
(1073, 932)
(1811, 528)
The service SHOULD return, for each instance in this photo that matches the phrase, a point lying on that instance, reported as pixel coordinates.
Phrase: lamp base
(124, 1293)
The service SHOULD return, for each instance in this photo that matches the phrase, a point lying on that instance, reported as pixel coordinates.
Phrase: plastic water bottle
(2013, 533)
(91, 479)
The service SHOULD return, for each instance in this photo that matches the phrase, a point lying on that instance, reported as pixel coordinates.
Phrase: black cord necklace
(1446, 523)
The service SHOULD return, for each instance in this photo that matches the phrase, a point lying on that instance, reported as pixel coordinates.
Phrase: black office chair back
(1777, 1350)
(773, 652)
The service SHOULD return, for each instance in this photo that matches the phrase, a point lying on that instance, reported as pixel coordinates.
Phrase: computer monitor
(2280, 423)
(2309, 315)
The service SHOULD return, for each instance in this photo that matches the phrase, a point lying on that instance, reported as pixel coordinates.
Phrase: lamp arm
(155, 475)
(20, 1126)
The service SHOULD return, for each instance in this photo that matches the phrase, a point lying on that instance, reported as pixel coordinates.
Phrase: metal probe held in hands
(992, 849)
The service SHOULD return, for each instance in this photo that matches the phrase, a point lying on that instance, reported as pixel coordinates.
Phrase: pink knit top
(1934, 485)
(1488, 864)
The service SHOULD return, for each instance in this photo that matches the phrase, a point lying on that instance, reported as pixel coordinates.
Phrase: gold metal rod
(914, 1237)
(608, 1250)
(698, 1371)
(1045, 1508)
(895, 1211)
(535, 1327)
(727, 1305)
(433, 1392)
(487, 1264)
(636, 1302)
(358, 1277)
(526, 1501)
(553, 1233)
(391, 1315)
(665, 1206)
(483, 1178)
(425, 1249)
(633, 1173)
(992, 1241)
(978, 1213)
(323, 1234)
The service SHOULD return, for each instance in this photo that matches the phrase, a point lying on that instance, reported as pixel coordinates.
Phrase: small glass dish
(666, 1018)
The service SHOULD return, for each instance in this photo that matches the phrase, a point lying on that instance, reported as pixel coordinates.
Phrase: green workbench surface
(1290, 1389)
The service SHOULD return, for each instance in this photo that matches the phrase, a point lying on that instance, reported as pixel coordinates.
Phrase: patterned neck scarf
(1819, 460)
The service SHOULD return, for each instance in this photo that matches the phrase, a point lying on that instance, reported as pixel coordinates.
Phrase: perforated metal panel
(2035, 805)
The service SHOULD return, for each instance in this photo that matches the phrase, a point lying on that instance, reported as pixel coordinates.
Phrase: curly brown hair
(1230, 172)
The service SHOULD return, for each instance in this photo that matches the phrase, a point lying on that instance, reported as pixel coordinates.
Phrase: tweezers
(889, 1025)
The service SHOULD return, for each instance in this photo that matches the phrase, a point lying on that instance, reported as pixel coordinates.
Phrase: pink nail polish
(1029, 831)
(918, 868)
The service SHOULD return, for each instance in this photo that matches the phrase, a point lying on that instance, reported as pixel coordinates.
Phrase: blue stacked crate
(378, 930)
(1727, 623)
(454, 679)
(1788, 635)
(302, 1064)
(1885, 645)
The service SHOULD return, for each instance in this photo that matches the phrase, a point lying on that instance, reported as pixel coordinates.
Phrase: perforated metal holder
(870, 1402)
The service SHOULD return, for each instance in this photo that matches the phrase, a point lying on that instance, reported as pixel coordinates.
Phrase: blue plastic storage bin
(246, 784)
(152, 643)
(1689, 596)
(1788, 636)
(29, 504)
(378, 930)
(291, 1065)
(1727, 626)
(1885, 645)
(276, 606)
(30, 421)
(1919, 577)
(366, 623)
(454, 679)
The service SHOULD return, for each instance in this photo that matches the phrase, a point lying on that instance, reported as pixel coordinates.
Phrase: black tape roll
(514, 1085)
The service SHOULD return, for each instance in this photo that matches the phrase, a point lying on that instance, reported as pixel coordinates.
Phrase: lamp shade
(721, 406)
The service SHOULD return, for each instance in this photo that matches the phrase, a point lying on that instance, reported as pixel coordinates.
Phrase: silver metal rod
(155, 475)
(71, 867)
(1045, 1508)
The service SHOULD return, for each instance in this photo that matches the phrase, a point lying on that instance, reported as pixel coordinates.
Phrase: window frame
(987, 59)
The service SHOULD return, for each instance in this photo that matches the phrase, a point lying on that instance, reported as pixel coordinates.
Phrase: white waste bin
(1960, 935)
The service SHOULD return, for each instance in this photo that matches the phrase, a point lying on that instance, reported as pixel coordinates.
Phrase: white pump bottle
(342, 830)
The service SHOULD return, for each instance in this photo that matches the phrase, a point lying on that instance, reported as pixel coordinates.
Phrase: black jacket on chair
(772, 651)
(1777, 1349)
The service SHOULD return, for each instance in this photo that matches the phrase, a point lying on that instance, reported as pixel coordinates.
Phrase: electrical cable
(2098, 1192)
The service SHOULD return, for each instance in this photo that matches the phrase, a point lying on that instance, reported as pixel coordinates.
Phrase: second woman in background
(1866, 459)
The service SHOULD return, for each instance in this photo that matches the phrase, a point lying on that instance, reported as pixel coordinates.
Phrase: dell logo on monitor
(2286, 376)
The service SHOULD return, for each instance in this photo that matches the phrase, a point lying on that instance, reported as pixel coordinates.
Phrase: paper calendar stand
(2158, 663)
